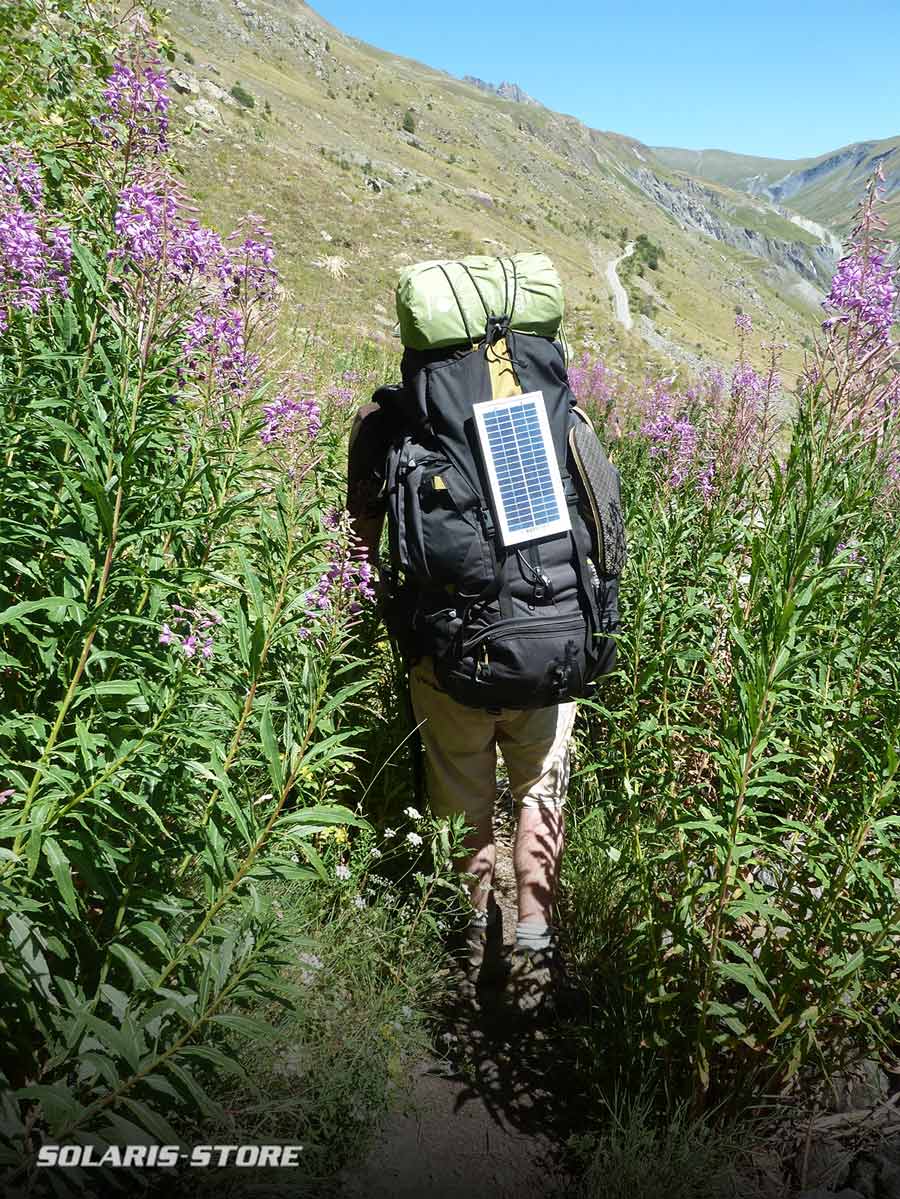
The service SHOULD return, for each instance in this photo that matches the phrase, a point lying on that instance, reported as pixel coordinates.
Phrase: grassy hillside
(826, 189)
(363, 162)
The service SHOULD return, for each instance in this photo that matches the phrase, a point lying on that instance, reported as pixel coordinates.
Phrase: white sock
(534, 933)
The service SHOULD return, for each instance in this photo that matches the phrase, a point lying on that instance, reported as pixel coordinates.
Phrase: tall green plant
(748, 769)
(176, 609)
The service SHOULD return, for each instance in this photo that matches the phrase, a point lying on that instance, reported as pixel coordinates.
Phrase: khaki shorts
(461, 750)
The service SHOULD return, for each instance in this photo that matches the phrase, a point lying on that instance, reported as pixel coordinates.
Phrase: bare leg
(537, 854)
(481, 862)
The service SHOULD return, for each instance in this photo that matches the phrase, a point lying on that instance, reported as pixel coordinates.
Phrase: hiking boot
(479, 953)
(534, 977)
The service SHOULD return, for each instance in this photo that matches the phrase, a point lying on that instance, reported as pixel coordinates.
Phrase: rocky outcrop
(204, 113)
(701, 209)
(506, 91)
(184, 83)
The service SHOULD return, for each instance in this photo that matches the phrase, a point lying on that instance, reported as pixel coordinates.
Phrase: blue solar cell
(519, 453)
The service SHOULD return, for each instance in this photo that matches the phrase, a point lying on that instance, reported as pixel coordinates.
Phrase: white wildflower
(376, 853)
(389, 832)
(358, 901)
(342, 872)
(334, 264)
(311, 963)
(413, 838)
(412, 813)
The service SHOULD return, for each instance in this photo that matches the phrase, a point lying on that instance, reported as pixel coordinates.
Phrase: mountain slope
(362, 162)
(827, 188)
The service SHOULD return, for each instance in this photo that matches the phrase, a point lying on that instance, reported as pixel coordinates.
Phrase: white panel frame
(537, 532)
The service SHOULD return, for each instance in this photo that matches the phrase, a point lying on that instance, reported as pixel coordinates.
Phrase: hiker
(460, 745)
(498, 593)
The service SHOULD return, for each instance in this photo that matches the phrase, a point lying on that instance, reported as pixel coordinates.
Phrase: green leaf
(253, 584)
(61, 870)
(215, 1058)
(53, 605)
(323, 815)
(141, 974)
(246, 1026)
(59, 1105)
(154, 934)
(205, 1105)
(25, 938)
(153, 1122)
(270, 748)
(86, 261)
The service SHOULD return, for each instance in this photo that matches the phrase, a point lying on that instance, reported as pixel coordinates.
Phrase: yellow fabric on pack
(504, 382)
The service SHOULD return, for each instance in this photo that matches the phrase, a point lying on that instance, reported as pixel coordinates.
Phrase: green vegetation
(731, 873)
(409, 121)
(197, 894)
(243, 97)
(646, 252)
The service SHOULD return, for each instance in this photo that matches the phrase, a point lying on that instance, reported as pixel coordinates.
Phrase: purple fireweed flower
(675, 438)
(191, 631)
(246, 269)
(863, 291)
(347, 583)
(196, 250)
(20, 176)
(747, 389)
(137, 104)
(854, 363)
(35, 256)
(341, 396)
(850, 550)
(743, 323)
(705, 481)
(287, 415)
(145, 220)
(215, 343)
(591, 381)
(684, 448)
(5, 795)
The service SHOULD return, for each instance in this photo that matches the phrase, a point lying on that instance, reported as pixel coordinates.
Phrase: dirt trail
(490, 1120)
(619, 295)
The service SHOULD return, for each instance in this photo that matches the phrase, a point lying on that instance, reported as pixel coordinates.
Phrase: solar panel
(522, 470)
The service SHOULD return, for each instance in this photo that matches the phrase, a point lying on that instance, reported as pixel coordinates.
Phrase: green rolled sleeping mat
(448, 303)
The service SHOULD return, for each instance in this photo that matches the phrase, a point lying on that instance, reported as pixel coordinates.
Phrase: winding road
(619, 295)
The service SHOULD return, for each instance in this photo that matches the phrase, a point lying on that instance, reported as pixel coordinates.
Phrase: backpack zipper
(525, 627)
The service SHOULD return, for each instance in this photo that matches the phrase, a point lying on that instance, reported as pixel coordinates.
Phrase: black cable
(487, 311)
(462, 312)
(505, 288)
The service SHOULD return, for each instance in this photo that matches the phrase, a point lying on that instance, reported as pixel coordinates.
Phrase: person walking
(506, 543)
(460, 745)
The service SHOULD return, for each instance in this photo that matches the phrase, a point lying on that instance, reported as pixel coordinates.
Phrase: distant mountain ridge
(364, 161)
(827, 188)
(506, 91)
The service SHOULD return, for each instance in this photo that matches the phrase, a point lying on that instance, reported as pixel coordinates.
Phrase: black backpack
(507, 626)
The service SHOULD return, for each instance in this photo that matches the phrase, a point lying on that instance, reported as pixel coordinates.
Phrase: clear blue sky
(779, 78)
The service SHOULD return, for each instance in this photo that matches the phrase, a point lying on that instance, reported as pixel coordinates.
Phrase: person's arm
(365, 477)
